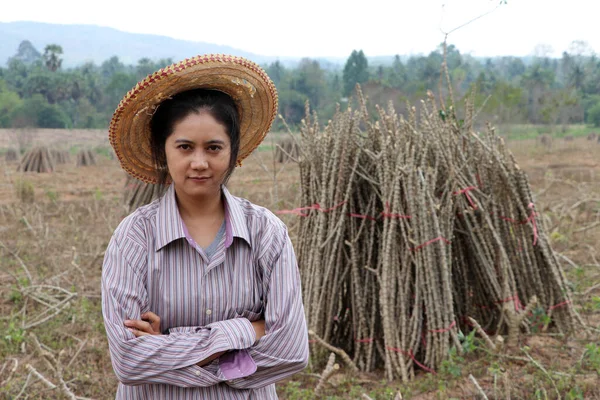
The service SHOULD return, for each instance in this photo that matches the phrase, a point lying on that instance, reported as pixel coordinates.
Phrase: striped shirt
(205, 305)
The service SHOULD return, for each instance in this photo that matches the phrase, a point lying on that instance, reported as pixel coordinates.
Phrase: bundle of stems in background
(409, 227)
(138, 193)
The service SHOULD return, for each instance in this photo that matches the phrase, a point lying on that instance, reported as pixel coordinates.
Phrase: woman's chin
(200, 188)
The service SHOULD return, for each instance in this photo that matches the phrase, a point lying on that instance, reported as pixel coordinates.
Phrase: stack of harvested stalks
(85, 158)
(138, 193)
(286, 150)
(11, 155)
(37, 159)
(413, 227)
(60, 156)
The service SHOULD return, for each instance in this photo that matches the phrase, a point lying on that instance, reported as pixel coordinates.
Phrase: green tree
(52, 59)
(144, 67)
(91, 83)
(515, 67)
(538, 80)
(424, 72)
(15, 75)
(276, 72)
(593, 115)
(118, 86)
(397, 73)
(453, 56)
(110, 67)
(309, 80)
(9, 101)
(52, 116)
(335, 85)
(503, 102)
(86, 116)
(356, 71)
(291, 105)
(37, 112)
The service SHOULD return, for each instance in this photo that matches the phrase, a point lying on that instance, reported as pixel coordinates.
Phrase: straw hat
(247, 84)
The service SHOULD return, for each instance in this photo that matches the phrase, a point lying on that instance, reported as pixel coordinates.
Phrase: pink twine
(466, 193)
(564, 303)
(316, 206)
(387, 214)
(361, 216)
(437, 239)
(365, 340)
(515, 299)
(412, 356)
(384, 214)
(479, 180)
(443, 330)
(533, 223)
(531, 219)
(295, 211)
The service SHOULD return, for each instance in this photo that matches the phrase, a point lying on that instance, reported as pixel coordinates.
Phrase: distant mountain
(82, 43)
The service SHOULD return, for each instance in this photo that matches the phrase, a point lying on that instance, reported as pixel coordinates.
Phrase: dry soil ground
(51, 252)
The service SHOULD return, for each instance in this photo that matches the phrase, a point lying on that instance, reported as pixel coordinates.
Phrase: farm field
(51, 249)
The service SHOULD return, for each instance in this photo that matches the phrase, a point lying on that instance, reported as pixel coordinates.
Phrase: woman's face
(198, 153)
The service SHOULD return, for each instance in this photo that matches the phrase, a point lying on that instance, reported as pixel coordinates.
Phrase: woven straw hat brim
(248, 85)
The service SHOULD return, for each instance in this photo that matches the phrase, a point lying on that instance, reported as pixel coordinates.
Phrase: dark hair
(173, 110)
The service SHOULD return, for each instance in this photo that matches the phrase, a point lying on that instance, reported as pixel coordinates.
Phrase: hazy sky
(315, 28)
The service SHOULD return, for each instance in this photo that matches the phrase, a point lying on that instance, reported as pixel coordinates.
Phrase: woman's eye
(184, 147)
(214, 148)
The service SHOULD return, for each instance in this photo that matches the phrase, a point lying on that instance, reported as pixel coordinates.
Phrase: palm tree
(51, 56)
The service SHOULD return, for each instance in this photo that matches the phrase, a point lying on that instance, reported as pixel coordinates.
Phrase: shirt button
(198, 373)
(208, 311)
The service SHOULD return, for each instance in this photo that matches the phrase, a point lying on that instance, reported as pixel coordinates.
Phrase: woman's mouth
(199, 178)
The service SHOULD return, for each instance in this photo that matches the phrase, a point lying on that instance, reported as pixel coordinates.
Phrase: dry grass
(51, 257)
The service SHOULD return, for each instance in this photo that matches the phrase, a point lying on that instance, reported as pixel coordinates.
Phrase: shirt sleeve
(283, 350)
(164, 359)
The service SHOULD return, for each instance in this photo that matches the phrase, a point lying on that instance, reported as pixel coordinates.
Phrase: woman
(201, 293)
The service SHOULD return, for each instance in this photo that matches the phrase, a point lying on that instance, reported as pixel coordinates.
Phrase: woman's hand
(148, 325)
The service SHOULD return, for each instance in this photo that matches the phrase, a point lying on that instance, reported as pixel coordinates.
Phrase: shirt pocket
(245, 289)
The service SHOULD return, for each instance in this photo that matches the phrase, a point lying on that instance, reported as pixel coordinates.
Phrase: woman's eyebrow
(183, 141)
(215, 141)
(208, 142)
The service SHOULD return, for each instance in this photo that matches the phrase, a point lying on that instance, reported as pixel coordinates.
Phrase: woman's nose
(199, 160)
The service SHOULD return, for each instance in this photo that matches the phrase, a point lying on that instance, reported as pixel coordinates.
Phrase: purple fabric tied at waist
(237, 364)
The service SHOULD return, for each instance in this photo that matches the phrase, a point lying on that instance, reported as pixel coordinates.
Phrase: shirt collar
(170, 226)
(235, 221)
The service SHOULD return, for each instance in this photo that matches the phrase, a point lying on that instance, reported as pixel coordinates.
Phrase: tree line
(36, 91)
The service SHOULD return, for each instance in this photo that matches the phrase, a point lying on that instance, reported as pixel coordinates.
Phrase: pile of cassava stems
(138, 193)
(38, 159)
(412, 226)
